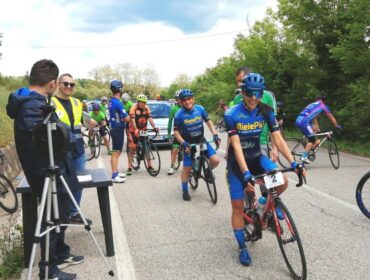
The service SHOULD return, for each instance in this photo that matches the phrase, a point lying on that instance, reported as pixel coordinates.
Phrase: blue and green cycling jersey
(117, 113)
(189, 123)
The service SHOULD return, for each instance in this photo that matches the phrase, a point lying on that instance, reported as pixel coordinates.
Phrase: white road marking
(125, 267)
(328, 196)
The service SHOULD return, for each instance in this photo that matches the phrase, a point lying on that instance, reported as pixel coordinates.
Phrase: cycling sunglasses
(251, 93)
(66, 84)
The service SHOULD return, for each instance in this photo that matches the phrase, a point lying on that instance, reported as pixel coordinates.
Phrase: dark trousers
(58, 250)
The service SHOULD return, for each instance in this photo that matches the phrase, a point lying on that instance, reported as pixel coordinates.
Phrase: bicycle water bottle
(261, 205)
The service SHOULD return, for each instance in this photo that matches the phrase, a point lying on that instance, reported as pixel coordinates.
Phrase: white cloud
(48, 24)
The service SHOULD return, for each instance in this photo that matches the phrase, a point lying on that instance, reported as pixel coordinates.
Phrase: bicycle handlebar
(154, 130)
(301, 178)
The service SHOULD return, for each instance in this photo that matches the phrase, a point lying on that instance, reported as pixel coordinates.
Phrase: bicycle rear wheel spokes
(89, 148)
(151, 154)
(96, 143)
(295, 147)
(363, 194)
(290, 243)
(333, 153)
(8, 196)
(209, 179)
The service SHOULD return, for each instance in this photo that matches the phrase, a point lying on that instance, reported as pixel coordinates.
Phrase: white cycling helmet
(177, 94)
(126, 97)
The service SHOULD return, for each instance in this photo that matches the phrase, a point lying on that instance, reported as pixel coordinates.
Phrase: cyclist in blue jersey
(118, 119)
(188, 129)
(244, 124)
(307, 123)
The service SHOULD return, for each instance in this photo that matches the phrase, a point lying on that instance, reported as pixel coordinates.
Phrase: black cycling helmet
(321, 97)
(116, 86)
(279, 104)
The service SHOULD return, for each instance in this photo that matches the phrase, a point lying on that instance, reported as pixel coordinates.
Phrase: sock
(114, 175)
(239, 235)
(184, 186)
(305, 154)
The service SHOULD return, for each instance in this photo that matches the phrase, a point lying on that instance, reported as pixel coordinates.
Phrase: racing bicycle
(8, 196)
(297, 145)
(201, 169)
(92, 144)
(285, 229)
(363, 194)
(146, 151)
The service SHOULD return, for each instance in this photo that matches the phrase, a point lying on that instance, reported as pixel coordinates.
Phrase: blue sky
(172, 36)
(192, 16)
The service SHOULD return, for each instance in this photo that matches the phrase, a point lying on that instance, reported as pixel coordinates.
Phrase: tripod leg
(38, 226)
(87, 227)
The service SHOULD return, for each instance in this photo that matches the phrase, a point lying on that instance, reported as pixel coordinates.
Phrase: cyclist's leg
(187, 164)
(211, 155)
(174, 151)
(132, 144)
(234, 181)
(103, 134)
(117, 134)
(92, 125)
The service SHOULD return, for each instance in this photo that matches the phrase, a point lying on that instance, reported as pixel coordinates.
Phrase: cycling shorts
(307, 130)
(117, 134)
(234, 176)
(102, 131)
(188, 157)
(175, 144)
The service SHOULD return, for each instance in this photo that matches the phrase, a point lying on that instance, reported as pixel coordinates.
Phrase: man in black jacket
(24, 106)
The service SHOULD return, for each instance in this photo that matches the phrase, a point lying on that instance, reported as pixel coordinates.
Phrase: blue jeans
(79, 164)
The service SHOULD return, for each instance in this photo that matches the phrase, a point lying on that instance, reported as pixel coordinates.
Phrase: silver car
(160, 111)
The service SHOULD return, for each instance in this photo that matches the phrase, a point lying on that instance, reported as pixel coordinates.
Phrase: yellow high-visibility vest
(63, 115)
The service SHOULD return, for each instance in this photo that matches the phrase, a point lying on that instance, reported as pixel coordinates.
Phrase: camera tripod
(49, 200)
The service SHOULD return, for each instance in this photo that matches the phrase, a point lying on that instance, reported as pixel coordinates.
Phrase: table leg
(104, 203)
(29, 208)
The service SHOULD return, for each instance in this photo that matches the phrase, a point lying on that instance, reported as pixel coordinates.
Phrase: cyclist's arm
(281, 145)
(211, 127)
(238, 152)
(178, 136)
(332, 119)
(170, 120)
(151, 122)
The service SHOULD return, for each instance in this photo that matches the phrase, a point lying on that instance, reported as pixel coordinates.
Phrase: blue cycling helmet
(185, 93)
(253, 81)
(116, 86)
(95, 107)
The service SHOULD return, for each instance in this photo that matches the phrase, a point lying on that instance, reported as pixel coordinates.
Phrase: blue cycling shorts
(305, 127)
(117, 134)
(209, 153)
(234, 176)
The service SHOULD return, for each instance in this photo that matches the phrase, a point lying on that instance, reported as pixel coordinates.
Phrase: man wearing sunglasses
(188, 129)
(244, 124)
(69, 111)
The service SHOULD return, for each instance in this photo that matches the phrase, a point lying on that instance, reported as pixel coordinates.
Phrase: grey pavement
(159, 236)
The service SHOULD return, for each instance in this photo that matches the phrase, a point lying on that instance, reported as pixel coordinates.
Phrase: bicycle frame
(326, 135)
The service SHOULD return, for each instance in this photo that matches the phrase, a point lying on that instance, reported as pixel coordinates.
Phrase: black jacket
(24, 107)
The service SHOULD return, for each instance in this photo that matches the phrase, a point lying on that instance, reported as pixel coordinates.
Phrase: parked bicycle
(363, 194)
(201, 169)
(297, 145)
(146, 151)
(8, 196)
(285, 229)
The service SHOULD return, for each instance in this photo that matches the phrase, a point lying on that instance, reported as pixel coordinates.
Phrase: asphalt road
(160, 236)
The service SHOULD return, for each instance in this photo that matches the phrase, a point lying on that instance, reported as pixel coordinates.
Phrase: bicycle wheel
(96, 143)
(8, 196)
(89, 148)
(333, 153)
(151, 153)
(193, 179)
(178, 161)
(296, 149)
(363, 194)
(209, 178)
(290, 243)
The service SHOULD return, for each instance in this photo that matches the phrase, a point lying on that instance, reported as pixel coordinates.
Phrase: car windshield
(159, 110)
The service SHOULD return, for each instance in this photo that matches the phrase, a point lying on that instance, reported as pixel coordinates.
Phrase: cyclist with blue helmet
(244, 124)
(188, 129)
(118, 120)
